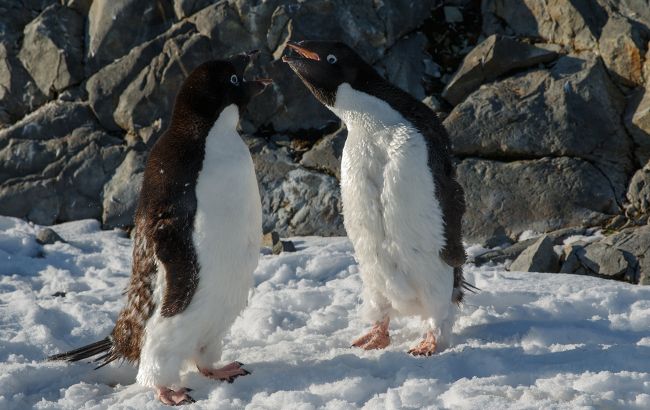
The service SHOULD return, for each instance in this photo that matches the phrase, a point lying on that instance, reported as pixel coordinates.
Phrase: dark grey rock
(81, 6)
(600, 259)
(52, 50)
(326, 154)
(296, 201)
(115, 27)
(570, 110)
(145, 105)
(637, 122)
(121, 193)
(404, 64)
(539, 257)
(107, 85)
(638, 193)
(505, 199)
(623, 44)
(492, 58)
(54, 164)
(513, 251)
(185, 8)
(635, 241)
(48, 236)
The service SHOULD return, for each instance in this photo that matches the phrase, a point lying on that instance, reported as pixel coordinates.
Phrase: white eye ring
(234, 79)
(331, 58)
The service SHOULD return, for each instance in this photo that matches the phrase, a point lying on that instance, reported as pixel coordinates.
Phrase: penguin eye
(331, 58)
(234, 79)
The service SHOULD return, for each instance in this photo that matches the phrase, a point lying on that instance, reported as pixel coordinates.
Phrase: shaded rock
(622, 46)
(600, 259)
(145, 105)
(185, 8)
(575, 24)
(513, 251)
(54, 164)
(81, 6)
(19, 94)
(637, 122)
(115, 27)
(570, 110)
(296, 201)
(452, 14)
(404, 64)
(121, 193)
(539, 257)
(269, 239)
(494, 57)
(107, 85)
(635, 241)
(638, 193)
(505, 199)
(48, 236)
(326, 154)
(272, 240)
(52, 50)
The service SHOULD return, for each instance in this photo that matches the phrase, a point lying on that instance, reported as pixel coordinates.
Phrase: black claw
(240, 363)
(247, 372)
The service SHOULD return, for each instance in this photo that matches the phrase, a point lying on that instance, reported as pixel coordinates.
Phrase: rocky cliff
(547, 103)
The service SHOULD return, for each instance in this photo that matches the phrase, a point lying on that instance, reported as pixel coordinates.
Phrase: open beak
(304, 52)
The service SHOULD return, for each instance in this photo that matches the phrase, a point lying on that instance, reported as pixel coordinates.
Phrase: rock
(185, 8)
(492, 58)
(636, 242)
(637, 122)
(19, 94)
(326, 154)
(623, 45)
(453, 14)
(107, 85)
(52, 49)
(638, 193)
(54, 164)
(404, 64)
(81, 6)
(513, 251)
(505, 199)
(121, 193)
(574, 24)
(539, 257)
(600, 259)
(270, 239)
(115, 27)
(296, 201)
(570, 110)
(145, 105)
(48, 236)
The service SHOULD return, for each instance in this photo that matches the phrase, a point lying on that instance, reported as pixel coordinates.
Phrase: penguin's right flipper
(175, 250)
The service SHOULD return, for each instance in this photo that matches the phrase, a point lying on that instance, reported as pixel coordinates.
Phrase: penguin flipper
(175, 251)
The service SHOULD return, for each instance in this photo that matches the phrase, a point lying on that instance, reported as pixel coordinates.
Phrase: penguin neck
(360, 110)
(227, 121)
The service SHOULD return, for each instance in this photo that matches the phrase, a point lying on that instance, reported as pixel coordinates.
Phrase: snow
(526, 341)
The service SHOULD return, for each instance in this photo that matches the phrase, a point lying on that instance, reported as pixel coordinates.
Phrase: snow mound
(527, 340)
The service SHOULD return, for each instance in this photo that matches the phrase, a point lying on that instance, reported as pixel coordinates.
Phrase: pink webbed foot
(174, 397)
(377, 338)
(426, 347)
(227, 373)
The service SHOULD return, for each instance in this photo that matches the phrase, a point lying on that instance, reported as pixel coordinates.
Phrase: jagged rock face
(547, 109)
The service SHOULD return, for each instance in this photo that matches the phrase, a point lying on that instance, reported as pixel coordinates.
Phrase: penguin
(197, 235)
(402, 204)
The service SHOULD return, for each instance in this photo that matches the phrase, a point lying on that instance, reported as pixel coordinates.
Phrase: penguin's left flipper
(175, 251)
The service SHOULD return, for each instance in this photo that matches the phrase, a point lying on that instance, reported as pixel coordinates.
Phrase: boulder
(637, 122)
(185, 8)
(54, 164)
(505, 199)
(296, 201)
(121, 193)
(600, 259)
(495, 56)
(635, 241)
(52, 50)
(47, 236)
(404, 64)
(571, 110)
(115, 27)
(638, 193)
(623, 44)
(326, 154)
(107, 85)
(538, 257)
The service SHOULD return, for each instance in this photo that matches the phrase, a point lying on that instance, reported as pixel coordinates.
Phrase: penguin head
(215, 85)
(324, 65)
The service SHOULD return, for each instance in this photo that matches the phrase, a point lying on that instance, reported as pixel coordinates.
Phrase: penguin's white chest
(390, 210)
(227, 225)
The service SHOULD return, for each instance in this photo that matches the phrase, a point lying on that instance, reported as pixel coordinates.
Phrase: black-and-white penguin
(198, 228)
(402, 205)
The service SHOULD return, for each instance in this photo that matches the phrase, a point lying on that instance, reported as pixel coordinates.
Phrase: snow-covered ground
(526, 341)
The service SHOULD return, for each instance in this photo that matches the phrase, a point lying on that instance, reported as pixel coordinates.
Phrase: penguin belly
(395, 222)
(226, 238)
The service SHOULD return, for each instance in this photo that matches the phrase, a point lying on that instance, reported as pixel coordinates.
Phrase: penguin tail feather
(461, 285)
(104, 346)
